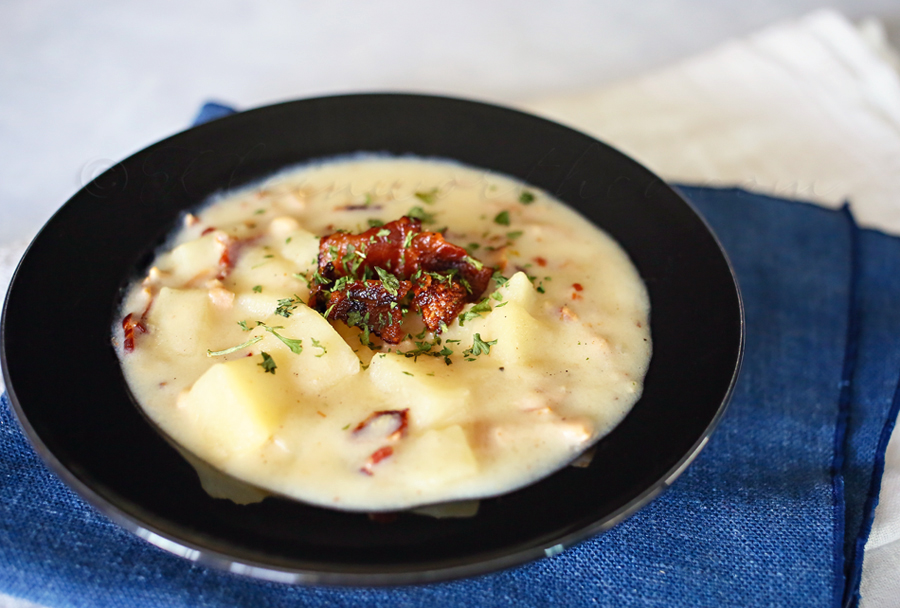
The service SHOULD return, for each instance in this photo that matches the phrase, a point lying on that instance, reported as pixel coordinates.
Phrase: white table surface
(83, 85)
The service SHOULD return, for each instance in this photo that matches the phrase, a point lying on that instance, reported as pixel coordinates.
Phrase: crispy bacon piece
(438, 300)
(369, 303)
(403, 250)
(376, 457)
(402, 417)
(129, 326)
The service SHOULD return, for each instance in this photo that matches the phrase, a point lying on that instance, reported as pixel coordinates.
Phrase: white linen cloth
(806, 109)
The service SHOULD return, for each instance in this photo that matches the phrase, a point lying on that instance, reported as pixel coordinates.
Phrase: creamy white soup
(376, 334)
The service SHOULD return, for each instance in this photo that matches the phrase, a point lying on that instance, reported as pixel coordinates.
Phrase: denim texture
(759, 519)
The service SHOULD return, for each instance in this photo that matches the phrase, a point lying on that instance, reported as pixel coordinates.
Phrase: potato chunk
(195, 260)
(432, 400)
(316, 368)
(301, 248)
(178, 321)
(521, 338)
(235, 407)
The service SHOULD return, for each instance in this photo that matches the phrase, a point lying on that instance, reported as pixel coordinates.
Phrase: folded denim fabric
(759, 518)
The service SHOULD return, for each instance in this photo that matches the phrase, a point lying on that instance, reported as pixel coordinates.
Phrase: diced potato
(432, 400)
(178, 321)
(197, 259)
(436, 457)
(519, 290)
(301, 248)
(236, 406)
(317, 367)
(268, 270)
(259, 306)
(520, 337)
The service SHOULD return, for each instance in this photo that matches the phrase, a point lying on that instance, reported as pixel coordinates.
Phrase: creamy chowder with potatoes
(374, 334)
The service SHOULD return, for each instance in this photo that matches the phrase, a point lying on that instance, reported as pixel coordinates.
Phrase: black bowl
(68, 391)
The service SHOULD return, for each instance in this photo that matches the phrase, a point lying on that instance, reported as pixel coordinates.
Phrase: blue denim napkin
(774, 512)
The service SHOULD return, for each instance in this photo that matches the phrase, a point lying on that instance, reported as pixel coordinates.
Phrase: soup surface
(377, 333)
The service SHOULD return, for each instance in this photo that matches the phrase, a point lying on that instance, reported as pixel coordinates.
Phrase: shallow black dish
(76, 408)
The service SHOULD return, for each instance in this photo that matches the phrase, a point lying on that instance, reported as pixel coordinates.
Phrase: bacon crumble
(441, 276)
(402, 422)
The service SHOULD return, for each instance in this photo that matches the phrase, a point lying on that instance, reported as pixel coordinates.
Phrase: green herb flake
(317, 344)
(288, 240)
(268, 363)
(474, 312)
(418, 213)
(228, 351)
(479, 346)
(243, 325)
(286, 306)
(526, 198)
(259, 212)
(502, 218)
(428, 197)
(257, 289)
(383, 232)
(374, 223)
(296, 346)
(514, 235)
(300, 277)
(407, 373)
(390, 282)
(478, 265)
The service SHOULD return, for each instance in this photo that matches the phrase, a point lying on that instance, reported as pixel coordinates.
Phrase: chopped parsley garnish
(499, 279)
(228, 351)
(526, 198)
(428, 197)
(407, 240)
(383, 232)
(300, 277)
(243, 325)
(296, 346)
(317, 344)
(479, 347)
(288, 240)
(373, 223)
(502, 218)
(257, 289)
(478, 265)
(390, 282)
(514, 235)
(268, 363)
(417, 213)
(475, 312)
(407, 373)
(472, 247)
(259, 212)
(286, 306)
